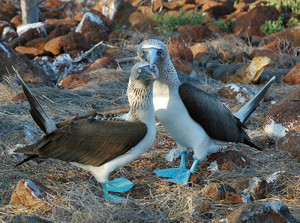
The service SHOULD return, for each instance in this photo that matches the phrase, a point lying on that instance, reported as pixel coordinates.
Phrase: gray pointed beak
(152, 57)
(150, 72)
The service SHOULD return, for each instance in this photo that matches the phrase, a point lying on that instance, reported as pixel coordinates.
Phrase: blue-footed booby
(100, 143)
(195, 119)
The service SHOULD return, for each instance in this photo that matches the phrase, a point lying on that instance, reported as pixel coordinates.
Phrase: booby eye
(159, 52)
(139, 70)
(144, 51)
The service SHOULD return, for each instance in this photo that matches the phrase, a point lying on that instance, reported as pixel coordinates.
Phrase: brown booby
(195, 119)
(100, 143)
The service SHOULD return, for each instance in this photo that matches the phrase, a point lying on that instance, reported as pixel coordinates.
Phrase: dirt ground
(77, 197)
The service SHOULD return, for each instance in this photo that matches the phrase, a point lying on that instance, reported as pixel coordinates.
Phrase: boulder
(30, 32)
(59, 30)
(17, 20)
(38, 43)
(8, 34)
(29, 193)
(7, 10)
(226, 161)
(199, 51)
(66, 21)
(175, 4)
(293, 77)
(249, 23)
(284, 115)
(30, 52)
(259, 212)
(222, 191)
(291, 34)
(291, 143)
(55, 45)
(93, 28)
(194, 33)
(233, 91)
(74, 43)
(30, 72)
(217, 8)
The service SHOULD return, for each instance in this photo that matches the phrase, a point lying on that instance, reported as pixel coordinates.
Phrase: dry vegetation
(77, 197)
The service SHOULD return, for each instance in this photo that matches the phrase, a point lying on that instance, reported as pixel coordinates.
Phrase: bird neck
(141, 102)
(167, 73)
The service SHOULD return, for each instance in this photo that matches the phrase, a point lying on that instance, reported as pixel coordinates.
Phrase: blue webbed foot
(170, 173)
(115, 199)
(119, 185)
(182, 178)
(173, 172)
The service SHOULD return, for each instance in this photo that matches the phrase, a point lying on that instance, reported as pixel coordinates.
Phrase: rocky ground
(78, 58)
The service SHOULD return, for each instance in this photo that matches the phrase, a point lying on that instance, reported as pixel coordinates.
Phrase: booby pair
(194, 118)
(100, 143)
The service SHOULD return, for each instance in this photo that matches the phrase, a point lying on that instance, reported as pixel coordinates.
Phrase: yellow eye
(160, 52)
(139, 70)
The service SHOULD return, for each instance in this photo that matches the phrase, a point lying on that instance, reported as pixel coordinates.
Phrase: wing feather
(89, 141)
(211, 114)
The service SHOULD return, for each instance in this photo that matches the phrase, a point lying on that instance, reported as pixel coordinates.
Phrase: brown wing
(211, 114)
(89, 141)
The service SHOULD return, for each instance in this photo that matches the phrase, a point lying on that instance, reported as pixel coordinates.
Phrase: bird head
(153, 51)
(142, 74)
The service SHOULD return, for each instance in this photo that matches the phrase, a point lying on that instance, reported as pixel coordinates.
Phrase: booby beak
(150, 74)
(152, 57)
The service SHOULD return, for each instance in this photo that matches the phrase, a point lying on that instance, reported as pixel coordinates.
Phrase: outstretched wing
(89, 142)
(211, 114)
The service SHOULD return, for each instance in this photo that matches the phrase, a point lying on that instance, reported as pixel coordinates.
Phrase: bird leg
(173, 172)
(119, 185)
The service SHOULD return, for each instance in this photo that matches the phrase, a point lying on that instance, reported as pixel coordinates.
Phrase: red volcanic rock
(180, 51)
(74, 43)
(194, 33)
(30, 52)
(199, 51)
(29, 71)
(55, 45)
(53, 4)
(291, 144)
(8, 34)
(17, 20)
(118, 35)
(103, 62)
(7, 10)
(250, 22)
(183, 66)
(291, 34)
(28, 33)
(233, 91)
(30, 194)
(59, 30)
(218, 191)
(284, 115)
(259, 212)
(227, 161)
(293, 77)
(66, 21)
(93, 28)
(175, 4)
(38, 43)
(217, 8)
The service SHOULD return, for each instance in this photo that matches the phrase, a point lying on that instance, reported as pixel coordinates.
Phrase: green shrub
(294, 5)
(169, 22)
(228, 26)
(293, 22)
(272, 26)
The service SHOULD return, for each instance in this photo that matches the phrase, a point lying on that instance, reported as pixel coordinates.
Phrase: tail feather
(244, 113)
(37, 112)
(27, 159)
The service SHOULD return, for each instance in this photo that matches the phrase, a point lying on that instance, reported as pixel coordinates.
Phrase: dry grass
(77, 197)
